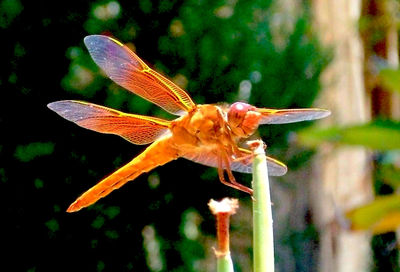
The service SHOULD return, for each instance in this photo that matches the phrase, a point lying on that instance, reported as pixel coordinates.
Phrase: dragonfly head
(243, 119)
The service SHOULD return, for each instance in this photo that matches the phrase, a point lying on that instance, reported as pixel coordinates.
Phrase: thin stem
(263, 237)
(222, 211)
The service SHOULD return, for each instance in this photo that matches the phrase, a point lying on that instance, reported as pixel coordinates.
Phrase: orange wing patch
(126, 69)
(135, 128)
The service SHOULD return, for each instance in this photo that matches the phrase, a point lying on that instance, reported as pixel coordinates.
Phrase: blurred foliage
(384, 210)
(217, 50)
(383, 214)
(379, 23)
(26, 153)
(386, 255)
(377, 135)
(390, 79)
(388, 170)
(9, 10)
(380, 216)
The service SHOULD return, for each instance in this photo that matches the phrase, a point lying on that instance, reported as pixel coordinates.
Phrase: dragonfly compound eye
(237, 112)
(239, 108)
(238, 115)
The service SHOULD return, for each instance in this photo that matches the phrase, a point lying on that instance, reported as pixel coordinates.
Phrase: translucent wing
(129, 71)
(209, 158)
(137, 129)
(284, 116)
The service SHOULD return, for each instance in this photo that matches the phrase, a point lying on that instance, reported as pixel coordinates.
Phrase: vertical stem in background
(263, 236)
(222, 211)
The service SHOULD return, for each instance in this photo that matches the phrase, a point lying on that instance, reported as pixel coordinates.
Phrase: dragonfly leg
(235, 185)
(232, 181)
(243, 155)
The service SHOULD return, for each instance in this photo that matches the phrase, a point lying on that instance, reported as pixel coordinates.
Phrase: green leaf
(389, 174)
(112, 212)
(380, 216)
(9, 10)
(38, 183)
(390, 79)
(112, 234)
(378, 135)
(26, 153)
(52, 225)
(98, 222)
(100, 266)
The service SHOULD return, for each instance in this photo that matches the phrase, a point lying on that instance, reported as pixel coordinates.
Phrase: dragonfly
(209, 134)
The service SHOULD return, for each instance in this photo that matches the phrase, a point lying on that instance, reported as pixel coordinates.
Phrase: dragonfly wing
(126, 69)
(210, 158)
(275, 167)
(158, 153)
(284, 116)
(137, 129)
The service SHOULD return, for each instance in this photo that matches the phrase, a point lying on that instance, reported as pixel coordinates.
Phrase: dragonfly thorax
(206, 125)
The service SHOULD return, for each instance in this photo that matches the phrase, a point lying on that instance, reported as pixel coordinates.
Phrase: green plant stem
(224, 263)
(263, 237)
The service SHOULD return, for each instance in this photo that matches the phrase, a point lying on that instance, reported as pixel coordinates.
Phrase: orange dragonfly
(206, 134)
